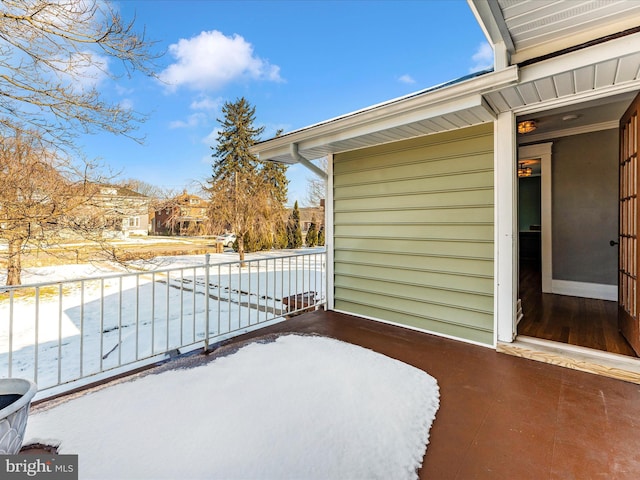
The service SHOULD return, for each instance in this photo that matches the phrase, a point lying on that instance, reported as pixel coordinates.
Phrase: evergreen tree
(280, 239)
(275, 175)
(321, 239)
(245, 195)
(235, 138)
(294, 232)
(311, 240)
(255, 242)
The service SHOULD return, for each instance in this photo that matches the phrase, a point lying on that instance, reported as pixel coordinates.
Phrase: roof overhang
(601, 70)
(451, 107)
(533, 29)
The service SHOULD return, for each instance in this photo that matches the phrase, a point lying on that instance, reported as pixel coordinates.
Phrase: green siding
(413, 230)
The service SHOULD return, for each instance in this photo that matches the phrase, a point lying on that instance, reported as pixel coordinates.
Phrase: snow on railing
(70, 333)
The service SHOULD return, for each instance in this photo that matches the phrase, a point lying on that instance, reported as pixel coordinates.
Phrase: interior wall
(529, 212)
(585, 207)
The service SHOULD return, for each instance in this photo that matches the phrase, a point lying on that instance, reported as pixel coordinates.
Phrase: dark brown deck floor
(504, 417)
(500, 417)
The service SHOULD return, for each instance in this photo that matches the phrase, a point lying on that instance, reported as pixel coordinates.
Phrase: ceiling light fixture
(527, 126)
(524, 171)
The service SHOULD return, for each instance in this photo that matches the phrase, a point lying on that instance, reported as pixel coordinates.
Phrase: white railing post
(207, 258)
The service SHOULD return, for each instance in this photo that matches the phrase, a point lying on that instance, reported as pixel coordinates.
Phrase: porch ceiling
(533, 28)
(604, 69)
(448, 107)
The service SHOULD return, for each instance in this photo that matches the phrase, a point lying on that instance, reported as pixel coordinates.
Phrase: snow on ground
(104, 323)
(132, 240)
(302, 407)
(58, 273)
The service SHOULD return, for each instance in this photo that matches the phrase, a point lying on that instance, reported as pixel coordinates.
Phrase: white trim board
(543, 151)
(416, 329)
(585, 290)
(328, 234)
(506, 225)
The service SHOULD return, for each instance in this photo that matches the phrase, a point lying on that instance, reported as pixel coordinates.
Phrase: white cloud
(206, 159)
(483, 58)
(126, 104)
(206, 108)
(120, 90)
(212, 138)
(206, 103)
(212, 60)
(406, 79)
(193, 120)
(271, 129)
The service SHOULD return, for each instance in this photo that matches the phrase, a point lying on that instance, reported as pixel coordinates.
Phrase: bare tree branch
(52, 57)
(46, 200)
(316, 186)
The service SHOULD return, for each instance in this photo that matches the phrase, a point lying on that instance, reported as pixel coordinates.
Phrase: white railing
(66, 334)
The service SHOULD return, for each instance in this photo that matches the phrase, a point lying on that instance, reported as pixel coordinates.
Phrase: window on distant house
(134, 222)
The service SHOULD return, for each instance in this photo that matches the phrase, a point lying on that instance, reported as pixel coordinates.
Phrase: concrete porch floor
(500, 416)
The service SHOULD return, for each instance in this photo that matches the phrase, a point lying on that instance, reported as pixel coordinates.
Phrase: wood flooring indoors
(582, 322)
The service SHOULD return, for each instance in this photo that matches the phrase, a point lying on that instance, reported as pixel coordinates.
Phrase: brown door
(629, 296)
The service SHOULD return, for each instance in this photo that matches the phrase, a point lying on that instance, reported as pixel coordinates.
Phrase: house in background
(423, 217)
(123, 211)
(307, 215)
(185, 214)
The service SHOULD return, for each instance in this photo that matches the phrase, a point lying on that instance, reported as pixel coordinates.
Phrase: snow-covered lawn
(302, 407)
(85, 327)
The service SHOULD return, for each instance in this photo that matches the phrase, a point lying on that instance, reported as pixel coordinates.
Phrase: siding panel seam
(425, 317)
(421, 285)
(420, 301)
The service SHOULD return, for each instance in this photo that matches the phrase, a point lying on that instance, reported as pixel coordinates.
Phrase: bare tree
(46, 200)
(244, 204)
(147, 189)
(37, 193)
(53, 54)
(316, 186)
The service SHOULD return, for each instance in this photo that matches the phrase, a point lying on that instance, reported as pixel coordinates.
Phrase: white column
(506, 240)
(328, 230)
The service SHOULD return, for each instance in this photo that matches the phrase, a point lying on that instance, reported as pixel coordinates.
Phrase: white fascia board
(391, 114)
(489, 17)
(616, 48)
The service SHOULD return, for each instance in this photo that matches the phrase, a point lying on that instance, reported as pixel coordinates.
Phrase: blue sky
(297, 62)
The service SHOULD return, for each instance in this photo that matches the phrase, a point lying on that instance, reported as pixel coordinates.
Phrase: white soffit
(534, 28)
(452, 107)
(605, 69)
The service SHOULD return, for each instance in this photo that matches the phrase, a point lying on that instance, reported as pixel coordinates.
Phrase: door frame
(506, 215)
(543, 152)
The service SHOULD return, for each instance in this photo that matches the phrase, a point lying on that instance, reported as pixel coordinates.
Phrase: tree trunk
(240, 239)
(14, 265)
